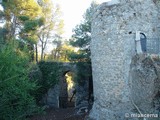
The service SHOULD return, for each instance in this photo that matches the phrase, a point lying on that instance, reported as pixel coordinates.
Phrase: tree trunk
(44, 56)
(42, 51)
(36, 53)
(55, 54)
(13, 26)
(32, 52)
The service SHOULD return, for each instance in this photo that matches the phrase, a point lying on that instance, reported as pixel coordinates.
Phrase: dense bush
(50, 76)
(3, 34)
(35, 75)
(84, 72)
(16, 101)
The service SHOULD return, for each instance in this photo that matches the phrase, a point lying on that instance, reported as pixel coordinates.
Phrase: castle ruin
(124, 77)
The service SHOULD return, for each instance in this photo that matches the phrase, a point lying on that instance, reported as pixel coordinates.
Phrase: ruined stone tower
(113, 45)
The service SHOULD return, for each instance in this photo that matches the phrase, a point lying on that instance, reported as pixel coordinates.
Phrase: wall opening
(70, 88)
(143, 40)
(67, 91)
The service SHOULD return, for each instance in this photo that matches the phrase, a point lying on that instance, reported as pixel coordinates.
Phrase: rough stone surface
(82, 95)
(145, 82)
(52, 97)
(112, 47)
(57, 96)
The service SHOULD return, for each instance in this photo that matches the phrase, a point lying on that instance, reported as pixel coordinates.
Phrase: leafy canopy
(82, 37)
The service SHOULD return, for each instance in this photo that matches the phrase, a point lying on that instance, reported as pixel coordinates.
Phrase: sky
(73, 11)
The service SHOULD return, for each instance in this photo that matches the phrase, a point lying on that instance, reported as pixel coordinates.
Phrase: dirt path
(59, 114)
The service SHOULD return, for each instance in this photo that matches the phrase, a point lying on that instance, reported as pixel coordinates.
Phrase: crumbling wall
(51, 98)
(112, 47)
(57, 95)
(145, 83)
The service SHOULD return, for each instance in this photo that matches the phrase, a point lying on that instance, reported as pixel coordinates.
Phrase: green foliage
(81, 39)
(23, 18)
(18, 7)
(82, 32)
(82, 36)
(29, 32)
(35, 75)
(30, 25)
(50, 76)
(15, 88)
(81, 56)
(52, 27)
(84, 72)
(41, 21)
(3, 34)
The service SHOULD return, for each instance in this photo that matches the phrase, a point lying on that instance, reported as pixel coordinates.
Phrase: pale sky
(73, 11)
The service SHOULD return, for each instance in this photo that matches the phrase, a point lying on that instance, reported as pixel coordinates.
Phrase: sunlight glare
(1, 8)
(73, 11)
(101, 1)
(70, 83)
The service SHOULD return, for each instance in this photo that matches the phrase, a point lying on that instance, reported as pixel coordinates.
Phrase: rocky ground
(59, 114)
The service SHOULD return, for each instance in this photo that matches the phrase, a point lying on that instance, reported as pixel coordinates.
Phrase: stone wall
(57, 95)
(82, 96)
(51, 98)
(145, 83)
(112, 47)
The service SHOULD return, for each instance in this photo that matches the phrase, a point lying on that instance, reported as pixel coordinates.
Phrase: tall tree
(13, 9)
(22, 18)
(29, 33)
(82, 37)
(58, 45)
(32, 21)
(53, 24)
(61, 50)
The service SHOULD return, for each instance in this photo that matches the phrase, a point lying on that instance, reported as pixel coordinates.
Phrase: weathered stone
(82, 95)
(57, 96)
(143, 79)
(51, 98)
(112, 48)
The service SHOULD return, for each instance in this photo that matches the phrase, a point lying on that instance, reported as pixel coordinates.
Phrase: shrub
(84, 72)
(16, 101)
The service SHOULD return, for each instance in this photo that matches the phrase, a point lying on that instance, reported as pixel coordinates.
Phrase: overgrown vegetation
(25, 24)
(30, 25)
(81, 39)
(15, 87)
(84, 72)
(50, 77)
